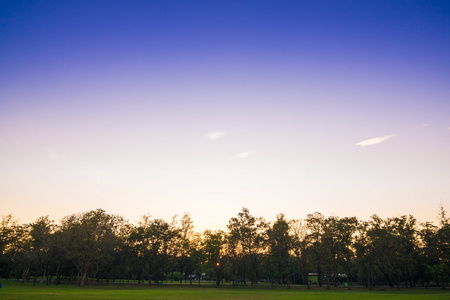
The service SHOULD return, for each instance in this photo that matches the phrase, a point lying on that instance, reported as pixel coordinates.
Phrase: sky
(206, 107)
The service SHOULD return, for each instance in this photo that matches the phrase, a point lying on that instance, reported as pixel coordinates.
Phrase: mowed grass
(14, 290)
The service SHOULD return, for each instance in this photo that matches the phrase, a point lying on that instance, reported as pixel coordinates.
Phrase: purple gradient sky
(109, 104)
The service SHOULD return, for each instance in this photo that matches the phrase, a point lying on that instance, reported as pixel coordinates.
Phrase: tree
(59, 243)
(101, 246)
(213, 248)
(363, 258)
(315, 225)
(185, 230)
(250, 234)
(392, 246)
(435, 250)
(301, 248)
(329, 250)
(280, 241)
(92, 239)
(235, 259)
(40, 252)
(197, 256)
(137, 249)
(157, 245)
(11, 240)
(346, 229)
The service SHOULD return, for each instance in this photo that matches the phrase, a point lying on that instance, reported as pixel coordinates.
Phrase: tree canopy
(96, 246)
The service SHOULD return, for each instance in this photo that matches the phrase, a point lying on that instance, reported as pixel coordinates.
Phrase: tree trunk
(386, 276)
(349, 283)
(36, 275)
(26, 271)
(83, 278)
(306, 279)
(43, 275)
(319, 276)
(253, 280)
(149, 279)
(411, 279)
(217, 277)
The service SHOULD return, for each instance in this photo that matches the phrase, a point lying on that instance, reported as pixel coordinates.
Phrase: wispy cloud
(375, 140)
(215, 135)
(244, 154)
(53, 155)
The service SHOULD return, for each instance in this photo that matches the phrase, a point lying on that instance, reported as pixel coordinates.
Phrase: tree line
(330, 251)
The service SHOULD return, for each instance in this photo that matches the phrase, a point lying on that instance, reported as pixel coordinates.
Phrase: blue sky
(340, 107)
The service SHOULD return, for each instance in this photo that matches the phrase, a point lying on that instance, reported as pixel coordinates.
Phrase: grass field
(14, 290)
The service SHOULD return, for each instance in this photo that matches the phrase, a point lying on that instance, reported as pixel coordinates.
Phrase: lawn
(14, 290)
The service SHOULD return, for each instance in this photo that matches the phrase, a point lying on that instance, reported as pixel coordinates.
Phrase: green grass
(14, 290)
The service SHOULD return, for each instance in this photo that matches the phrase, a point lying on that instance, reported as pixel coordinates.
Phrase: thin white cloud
(244, 154)
(375, 140)
(53, 155)
(215, 135)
